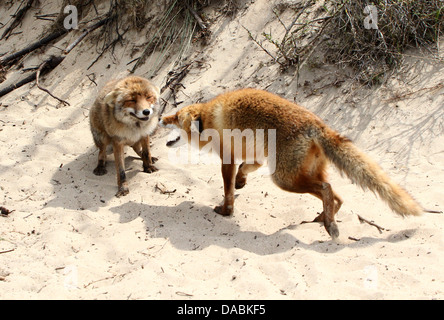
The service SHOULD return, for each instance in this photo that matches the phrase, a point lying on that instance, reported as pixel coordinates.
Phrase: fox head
(187, 119)
(133, 100)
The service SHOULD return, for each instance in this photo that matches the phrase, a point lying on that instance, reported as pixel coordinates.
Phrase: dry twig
(433, 211)
(6, 251)
(363, 220)
(173, 83)
(162, 188)
(43, 65)
(103, 279)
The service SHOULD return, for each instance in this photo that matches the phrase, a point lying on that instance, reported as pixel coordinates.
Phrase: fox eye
(131, 101)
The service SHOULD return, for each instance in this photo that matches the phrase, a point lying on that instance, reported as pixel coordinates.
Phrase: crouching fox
(304, 145)
(125, 113)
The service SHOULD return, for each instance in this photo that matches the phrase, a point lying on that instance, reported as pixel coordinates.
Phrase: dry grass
(175, 30)
(338, 28)
(373, 52)
(135, 11)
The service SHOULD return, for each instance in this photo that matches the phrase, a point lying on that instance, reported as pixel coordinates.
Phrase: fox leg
(320, 189)
(331, 204)
(338, 204)
(312, 179)
(228, 174)
(120, 169)
(137, 147)
(100, 170)
(145, 154)
(330, 201)
(243, 171)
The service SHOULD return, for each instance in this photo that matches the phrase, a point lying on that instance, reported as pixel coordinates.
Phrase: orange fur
(304, 145)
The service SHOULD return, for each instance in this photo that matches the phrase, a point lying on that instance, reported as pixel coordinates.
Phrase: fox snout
(141, 114)
(163, 124)
(177, 137)
(169, 122)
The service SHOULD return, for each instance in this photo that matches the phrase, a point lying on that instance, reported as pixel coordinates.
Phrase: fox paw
(150, 169)
(123, 191)
(332, 230)
(224, 211)
(100, 171)
(240, 183)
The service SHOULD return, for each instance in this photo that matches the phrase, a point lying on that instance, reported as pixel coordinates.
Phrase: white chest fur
(130, 133)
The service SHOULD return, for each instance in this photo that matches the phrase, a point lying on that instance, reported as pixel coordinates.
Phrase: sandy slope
(69, 237)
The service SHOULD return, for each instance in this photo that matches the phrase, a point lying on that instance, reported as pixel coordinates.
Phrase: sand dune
(71, 238)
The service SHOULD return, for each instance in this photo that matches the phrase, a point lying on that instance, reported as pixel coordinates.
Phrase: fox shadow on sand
(189, 225)
(76, 187)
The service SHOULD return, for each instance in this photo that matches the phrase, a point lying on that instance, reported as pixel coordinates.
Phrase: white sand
(71, 238)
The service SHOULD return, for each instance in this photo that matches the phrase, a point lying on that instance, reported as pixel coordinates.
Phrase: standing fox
(124, 113)
(303, 146)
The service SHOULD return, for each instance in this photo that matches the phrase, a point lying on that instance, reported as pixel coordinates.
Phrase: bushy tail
(366, 173)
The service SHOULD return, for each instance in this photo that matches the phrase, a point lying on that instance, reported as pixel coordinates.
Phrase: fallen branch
(50, 63)
(84, 34)
(48, 17)
(44, 68)
(33, 46)
(14, 86)
(18, 17)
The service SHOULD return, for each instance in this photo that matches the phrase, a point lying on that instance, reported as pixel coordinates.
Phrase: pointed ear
(110, 98)
(196, 124)
(157, 91)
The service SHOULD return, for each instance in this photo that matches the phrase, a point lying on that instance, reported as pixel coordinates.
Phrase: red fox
(304, 144)
(124, 113)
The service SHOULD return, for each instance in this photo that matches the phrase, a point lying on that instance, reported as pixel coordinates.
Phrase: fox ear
(110, 98)
(157, 91)
(196, 124)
